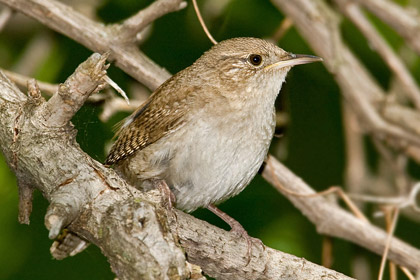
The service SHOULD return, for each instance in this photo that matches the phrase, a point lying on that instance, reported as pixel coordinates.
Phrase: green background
(312, 144)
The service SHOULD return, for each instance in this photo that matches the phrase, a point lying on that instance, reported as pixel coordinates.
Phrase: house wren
(206, 130)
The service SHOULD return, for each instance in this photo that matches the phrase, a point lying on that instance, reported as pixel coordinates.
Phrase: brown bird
(206, 130)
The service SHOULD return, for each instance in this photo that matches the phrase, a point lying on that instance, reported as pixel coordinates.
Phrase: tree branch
(136, 23)
(95, 36)
(223, 256)
(135, 233)
(333, 221)
(71, 95)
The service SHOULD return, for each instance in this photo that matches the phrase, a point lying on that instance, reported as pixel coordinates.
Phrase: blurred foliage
(313, 138)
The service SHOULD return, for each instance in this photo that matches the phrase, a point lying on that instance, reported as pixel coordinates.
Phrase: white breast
(217, 151)
(220, 155)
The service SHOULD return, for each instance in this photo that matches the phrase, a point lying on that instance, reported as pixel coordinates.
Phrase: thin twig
(117, 88)
(136, 23)
(5, 15)
(356, 171)
(400, 201)
(327, 252)
(284, 26)
(388, 222)
(407, 273)
(203, 24)
(388, 242)
(22, 80)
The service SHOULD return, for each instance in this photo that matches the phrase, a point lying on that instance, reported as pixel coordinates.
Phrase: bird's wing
(162, 113)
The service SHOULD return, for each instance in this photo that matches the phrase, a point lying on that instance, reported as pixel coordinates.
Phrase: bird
(206, 131)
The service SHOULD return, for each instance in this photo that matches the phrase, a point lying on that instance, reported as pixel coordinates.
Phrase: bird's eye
(255, 59)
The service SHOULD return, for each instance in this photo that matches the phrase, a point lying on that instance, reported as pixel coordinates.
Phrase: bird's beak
(295, 59)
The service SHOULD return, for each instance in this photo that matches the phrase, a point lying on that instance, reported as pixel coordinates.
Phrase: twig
(117, 88)
(25, 202)
(203, 24)
(284, 26)
(136, 23)
(327, 251)
(5, 15)
(400, 202)
(407, 273)
(356, 170)
(22, 80)
(388, 243)
(388, 223)
(117, 104)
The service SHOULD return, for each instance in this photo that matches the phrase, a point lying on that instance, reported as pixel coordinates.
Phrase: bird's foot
(237, 229)
(168, 197)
